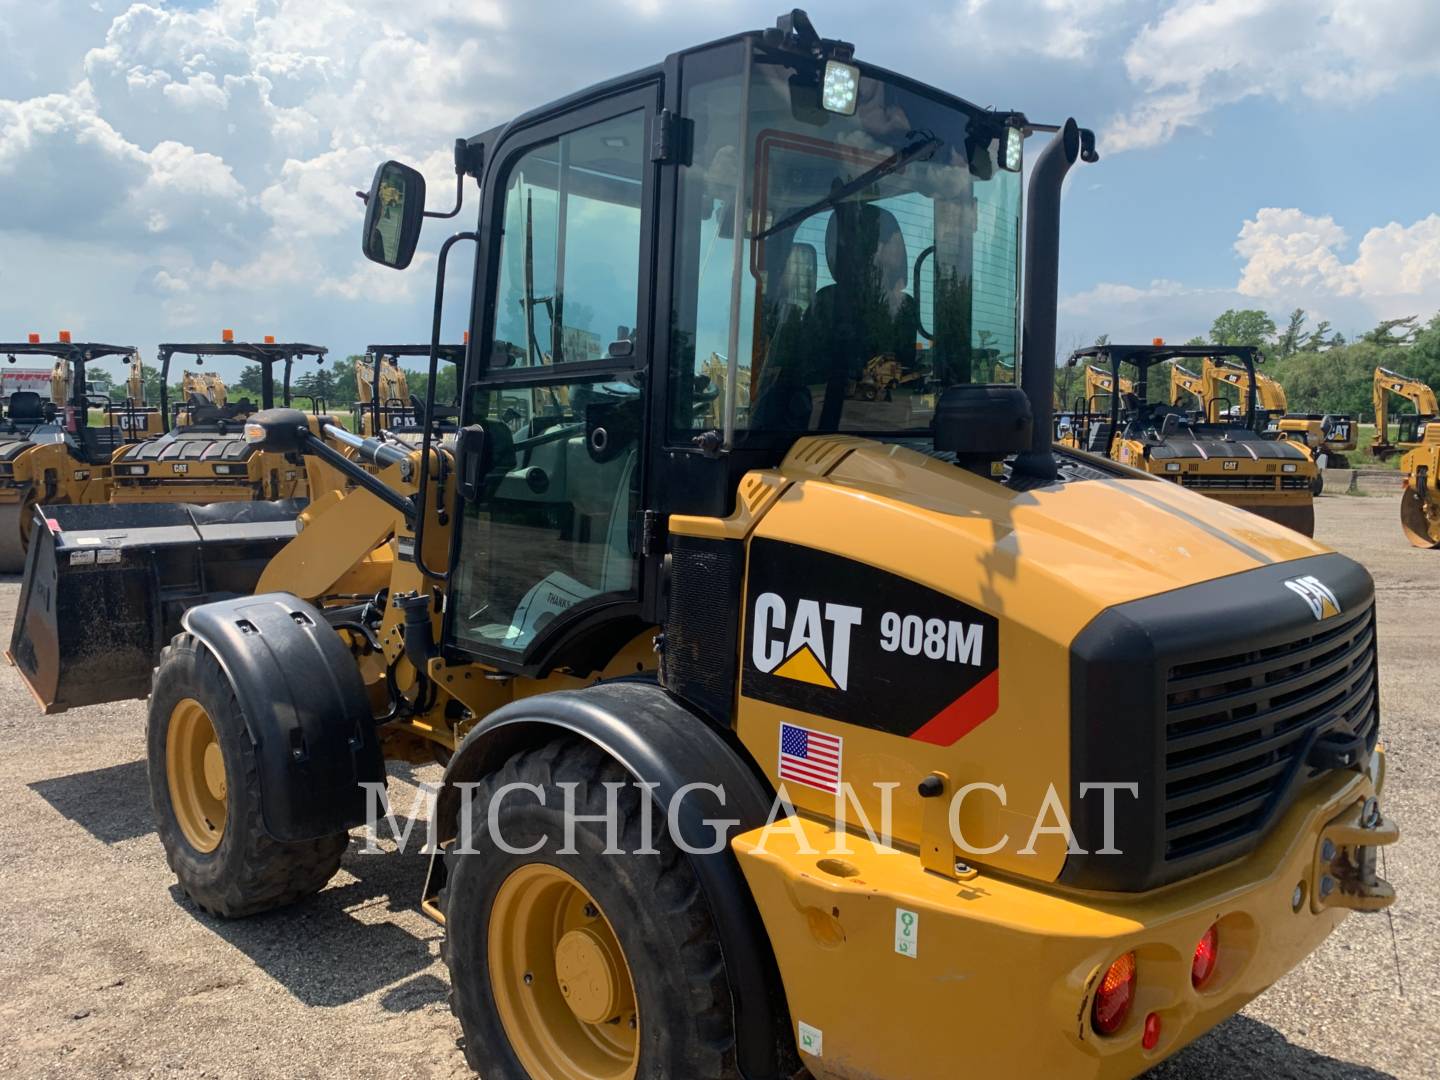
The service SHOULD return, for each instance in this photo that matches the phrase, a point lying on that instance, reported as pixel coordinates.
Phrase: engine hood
(1111, 540)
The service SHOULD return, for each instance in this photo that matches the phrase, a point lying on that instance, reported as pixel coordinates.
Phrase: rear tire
(516, 922)
(205, 790)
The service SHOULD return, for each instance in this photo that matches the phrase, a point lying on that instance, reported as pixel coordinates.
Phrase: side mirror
(280, 430)
(472, 457)
(394, 212)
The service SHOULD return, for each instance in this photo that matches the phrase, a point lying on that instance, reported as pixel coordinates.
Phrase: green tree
(1394, 331)
(1198, 340)
(249, 382)
(1248, 326)
(1289, 342)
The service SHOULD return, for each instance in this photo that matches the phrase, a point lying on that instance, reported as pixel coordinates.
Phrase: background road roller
(1420, 500)
(202, 457)
(1227, 459)
(684, 638)
(51, 453)
(383, 398)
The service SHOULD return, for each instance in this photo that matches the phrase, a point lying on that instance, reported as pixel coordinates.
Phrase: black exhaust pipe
(1042, 287)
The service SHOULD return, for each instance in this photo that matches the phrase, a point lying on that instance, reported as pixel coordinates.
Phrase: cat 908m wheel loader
(754, 709)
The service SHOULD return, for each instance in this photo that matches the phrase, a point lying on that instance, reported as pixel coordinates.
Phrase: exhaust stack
(1042, 284)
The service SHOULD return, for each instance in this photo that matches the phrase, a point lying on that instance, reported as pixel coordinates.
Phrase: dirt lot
(107, 970)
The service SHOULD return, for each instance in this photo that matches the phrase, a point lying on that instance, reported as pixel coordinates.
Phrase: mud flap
(105, 587)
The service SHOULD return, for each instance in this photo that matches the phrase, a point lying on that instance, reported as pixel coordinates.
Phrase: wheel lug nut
(529, 978)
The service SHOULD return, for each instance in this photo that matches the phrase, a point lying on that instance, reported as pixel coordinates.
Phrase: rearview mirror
(394, 211)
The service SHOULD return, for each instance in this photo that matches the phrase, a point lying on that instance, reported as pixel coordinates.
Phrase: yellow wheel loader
(760, 734)
(1420, 501)
(1224, 458)
(1411, 427)
(51, 453)
(202, 457)
(383, 399)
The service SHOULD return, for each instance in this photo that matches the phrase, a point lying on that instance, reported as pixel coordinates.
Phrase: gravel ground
(108, 970)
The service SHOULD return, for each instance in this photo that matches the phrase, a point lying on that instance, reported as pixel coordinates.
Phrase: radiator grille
(1236, 726)
(1212, 482)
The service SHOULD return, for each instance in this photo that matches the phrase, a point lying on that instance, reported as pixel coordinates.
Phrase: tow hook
(1345, 860)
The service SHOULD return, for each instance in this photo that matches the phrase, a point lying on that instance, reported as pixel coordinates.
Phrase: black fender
(660, 741)
(305, 709)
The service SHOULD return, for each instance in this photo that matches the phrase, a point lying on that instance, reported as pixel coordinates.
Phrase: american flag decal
(810, 757)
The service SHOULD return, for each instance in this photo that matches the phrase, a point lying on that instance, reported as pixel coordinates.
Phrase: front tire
(584, 966)
(205, 790)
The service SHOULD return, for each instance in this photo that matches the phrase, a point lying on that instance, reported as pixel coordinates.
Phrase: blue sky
(168, 169)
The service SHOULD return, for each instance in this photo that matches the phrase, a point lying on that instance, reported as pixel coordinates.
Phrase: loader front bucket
(105, 586)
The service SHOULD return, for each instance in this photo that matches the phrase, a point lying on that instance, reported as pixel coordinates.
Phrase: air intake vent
(1238, 728)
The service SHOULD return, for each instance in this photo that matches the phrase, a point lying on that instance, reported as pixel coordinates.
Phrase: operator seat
(867, 311)
(25, 407)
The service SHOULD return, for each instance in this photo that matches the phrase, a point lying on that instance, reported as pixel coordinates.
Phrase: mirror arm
(422, 493)
(459, 198)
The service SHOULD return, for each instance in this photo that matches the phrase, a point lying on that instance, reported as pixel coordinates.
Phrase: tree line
(1321, 371)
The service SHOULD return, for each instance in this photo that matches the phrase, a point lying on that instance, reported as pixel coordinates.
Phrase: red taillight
(1150, 1036)
(1114, 996)
(1206, 953)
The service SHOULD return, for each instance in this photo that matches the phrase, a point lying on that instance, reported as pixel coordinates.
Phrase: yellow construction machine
(1328, 437)
(383, 399)
(1088, 415)
(760, 735)
(1411, 427)
(202, 457)
(1185, 382)
(1420, 501)
(51, 453)
(1224, 458)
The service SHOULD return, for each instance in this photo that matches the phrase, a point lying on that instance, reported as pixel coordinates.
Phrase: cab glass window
(569, 259)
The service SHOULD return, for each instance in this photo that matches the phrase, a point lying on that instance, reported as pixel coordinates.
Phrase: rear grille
(1235, 727)
(1211, 482)
(1294, 483)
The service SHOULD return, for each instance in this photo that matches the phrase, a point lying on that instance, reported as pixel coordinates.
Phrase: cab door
(550, 553)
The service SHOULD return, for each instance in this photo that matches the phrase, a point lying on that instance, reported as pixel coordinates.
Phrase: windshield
(877, 261)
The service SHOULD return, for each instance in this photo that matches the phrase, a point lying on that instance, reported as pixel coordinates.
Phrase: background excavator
(705, 634)
(51, 453)
(1088, 418)
(1411, 427)
(202, 457)
(1183, 383)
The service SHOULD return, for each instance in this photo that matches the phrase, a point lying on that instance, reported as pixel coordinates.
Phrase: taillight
(1114, 996)
(1206, 953)
(1150, 1033)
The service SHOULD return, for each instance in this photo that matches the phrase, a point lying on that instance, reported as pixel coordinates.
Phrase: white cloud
(1058, 29)
(1293, 256)
(1200, 55)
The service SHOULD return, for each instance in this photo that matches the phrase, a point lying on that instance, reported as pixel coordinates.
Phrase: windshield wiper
(894, 163)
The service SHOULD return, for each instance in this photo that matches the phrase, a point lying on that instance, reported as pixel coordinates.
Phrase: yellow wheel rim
(195, 770)
(561, 982)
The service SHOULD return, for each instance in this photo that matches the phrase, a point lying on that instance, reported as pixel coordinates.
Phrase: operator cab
(684, 271)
